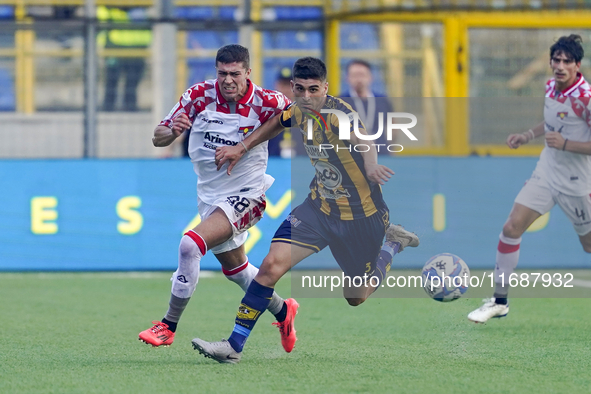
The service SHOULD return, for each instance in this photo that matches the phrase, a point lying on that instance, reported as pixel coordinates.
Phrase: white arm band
(244, 146)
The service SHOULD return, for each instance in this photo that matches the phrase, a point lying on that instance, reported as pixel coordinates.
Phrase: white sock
(243, 275)
(507, 259)
(185, 278)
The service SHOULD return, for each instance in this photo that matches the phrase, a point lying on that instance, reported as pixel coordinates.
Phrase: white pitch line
(581, 283)
(103, 275)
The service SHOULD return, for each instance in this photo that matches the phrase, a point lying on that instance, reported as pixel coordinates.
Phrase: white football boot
(397, 233)
(489, 310)
(221, 352)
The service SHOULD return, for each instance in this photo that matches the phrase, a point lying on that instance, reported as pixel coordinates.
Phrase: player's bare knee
(510, 230)
(355, 301)
(270, 270)
(586, 242)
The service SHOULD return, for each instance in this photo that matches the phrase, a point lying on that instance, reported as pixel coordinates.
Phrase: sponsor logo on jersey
(216, 139)
(332, 194)
(328, 175)
(204, 119)
(314, 152)
(293, 220)
(329, 181)
(552, 128)
(562, 115)
(245, 130)
(549, 127)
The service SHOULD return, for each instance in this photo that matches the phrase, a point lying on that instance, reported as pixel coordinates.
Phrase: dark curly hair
(571, 46)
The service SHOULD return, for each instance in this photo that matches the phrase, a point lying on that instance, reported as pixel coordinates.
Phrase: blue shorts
(355, 244)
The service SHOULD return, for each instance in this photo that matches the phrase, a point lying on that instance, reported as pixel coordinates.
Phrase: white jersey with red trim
(216, 123)
(569, 113)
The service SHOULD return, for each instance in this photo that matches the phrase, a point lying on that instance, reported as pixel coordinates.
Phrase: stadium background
(83, 189)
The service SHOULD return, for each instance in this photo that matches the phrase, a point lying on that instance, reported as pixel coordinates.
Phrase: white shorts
(538, 195)
(242, 212)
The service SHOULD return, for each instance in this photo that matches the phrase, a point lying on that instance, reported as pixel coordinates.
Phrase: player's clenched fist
(514, 141)
(179, 124)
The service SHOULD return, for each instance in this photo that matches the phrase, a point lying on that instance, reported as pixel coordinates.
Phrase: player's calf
(356, 296)
(355, 301)
(272, 269)
(586, 242)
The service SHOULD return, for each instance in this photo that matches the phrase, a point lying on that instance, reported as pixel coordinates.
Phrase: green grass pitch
(77, 333)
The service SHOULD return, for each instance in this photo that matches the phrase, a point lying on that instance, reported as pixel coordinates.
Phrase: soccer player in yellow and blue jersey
(345, 209)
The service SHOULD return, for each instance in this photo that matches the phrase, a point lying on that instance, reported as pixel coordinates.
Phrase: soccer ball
(445, 277)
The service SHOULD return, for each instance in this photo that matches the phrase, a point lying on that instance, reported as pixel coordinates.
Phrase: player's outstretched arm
(164, 136)
(375, 172)
(514, 141)
(231, 154)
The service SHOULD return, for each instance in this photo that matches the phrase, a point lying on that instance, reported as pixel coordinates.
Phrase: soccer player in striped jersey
(345, 210)
(562, 175)
(220, 112)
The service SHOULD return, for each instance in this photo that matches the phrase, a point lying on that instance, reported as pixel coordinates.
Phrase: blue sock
(384, 260)
(255, 302)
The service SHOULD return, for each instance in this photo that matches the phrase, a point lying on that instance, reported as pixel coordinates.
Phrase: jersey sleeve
(289, 116)
(273, 103)
(351, 114)
(549, 88)
(191, 103)
(283, 102)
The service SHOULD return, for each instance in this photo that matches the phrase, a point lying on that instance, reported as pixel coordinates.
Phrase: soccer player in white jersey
(562, 175)
(218, 113)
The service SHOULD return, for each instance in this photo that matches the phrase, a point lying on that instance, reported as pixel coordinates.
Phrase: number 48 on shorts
(246, 211)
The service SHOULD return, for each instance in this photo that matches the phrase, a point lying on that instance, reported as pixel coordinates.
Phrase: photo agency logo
(348, 122)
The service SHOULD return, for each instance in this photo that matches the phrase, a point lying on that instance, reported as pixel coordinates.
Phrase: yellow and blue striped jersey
(340, 187)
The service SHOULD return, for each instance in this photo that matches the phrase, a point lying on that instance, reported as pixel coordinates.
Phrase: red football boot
(286, 327)
(159, 335)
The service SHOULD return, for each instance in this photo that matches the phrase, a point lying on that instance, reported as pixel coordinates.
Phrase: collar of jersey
(245, 99)
(572, 87)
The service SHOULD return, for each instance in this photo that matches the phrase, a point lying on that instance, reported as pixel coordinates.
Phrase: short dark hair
(361, 62)
(233, 53)
(571, 46)
(309, 68)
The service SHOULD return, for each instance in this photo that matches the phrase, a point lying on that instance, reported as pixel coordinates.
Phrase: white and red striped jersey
(578, 89)
(569, 113)
(217, 122)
